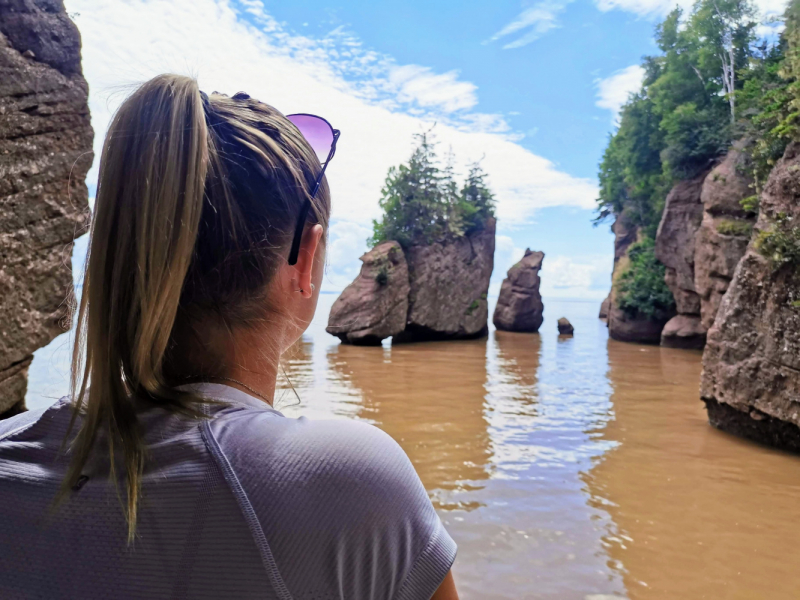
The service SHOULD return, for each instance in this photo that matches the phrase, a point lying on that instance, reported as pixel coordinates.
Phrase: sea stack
(519, 307)
(434, 291)
(46, 150)
(565, 327)
(751, 362)
(375, 305)
(449, 282)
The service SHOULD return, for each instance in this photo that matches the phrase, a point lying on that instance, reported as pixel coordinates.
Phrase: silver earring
(313, 287)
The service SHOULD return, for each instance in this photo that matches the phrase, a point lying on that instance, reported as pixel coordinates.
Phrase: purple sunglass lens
(318, 134)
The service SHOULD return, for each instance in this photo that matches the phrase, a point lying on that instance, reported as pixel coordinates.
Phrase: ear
(304, 268)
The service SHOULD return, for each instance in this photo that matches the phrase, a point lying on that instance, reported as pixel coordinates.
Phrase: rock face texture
(751, 363)
(45, 153)
(622, 326)
(604, 306)
(724, 231)
(565, 327)
(427, 292)
(519, 307)
(675, 248)
(449, 282)
(375, 305)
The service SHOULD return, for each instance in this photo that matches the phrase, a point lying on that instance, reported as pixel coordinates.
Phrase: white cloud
(613, 91)
(576, 277)
(377, 103)
(346, 242)
(535, 21)
(421, 85)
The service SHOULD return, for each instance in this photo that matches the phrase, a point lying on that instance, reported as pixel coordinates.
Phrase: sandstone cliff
(519, 307)
(724, 232)
(46, 150)
(425, 292)
(675, 248)
(375, 305)
(751, 364)
(622, 326)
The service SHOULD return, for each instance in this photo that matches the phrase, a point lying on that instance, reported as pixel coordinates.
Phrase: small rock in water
(565, 327)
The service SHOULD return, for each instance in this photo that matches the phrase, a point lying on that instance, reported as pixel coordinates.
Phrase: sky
(531, 89)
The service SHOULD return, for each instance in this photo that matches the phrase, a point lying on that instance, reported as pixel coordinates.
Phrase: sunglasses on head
(322, 137)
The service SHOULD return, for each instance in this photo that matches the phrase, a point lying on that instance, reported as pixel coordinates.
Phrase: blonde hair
(197, 200)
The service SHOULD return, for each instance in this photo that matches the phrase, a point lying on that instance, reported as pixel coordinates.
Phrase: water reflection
(699, 514)
(430, 398)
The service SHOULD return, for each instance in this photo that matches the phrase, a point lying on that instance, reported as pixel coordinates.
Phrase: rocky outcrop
(375, 305)
(425, 292)
(604, 306)
(751, 363)
(724, 232)
(519, 307)
(565, 327)
(449, 283)
(45, 153)
(675, 248)
(621, 325)
(684, 331)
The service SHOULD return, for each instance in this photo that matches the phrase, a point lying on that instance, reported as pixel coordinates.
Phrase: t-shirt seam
(409, 578)
(248, 512)
(22, 428)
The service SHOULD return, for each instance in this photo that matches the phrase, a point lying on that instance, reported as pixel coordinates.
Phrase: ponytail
(147, 217)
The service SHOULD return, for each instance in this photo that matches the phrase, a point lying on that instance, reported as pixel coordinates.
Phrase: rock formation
(429, 292)
(675, 248)
(622, 326)
(604, 306)
(565, 327)
(46, 150)
(724, 232)
(519, 307)
(375, 305)
(751, 363)
(449, 283)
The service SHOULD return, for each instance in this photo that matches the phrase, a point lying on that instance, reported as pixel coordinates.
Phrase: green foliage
(682, 117)
(737, 228)
(750, 204)
(474, 305)
(641, 288)
(421, 201)
(781, 242)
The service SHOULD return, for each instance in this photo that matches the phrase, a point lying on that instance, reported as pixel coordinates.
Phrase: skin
(252, 355)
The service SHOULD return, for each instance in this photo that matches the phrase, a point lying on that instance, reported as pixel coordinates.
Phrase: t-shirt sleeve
(340, 505)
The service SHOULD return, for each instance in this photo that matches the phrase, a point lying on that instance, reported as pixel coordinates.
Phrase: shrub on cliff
(682, 118)
(641, 287)
(422, 202)
(770, 99)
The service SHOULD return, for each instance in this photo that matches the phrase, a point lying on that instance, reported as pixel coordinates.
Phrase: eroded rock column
(519, 307)
(675, 248)
(45, 153)
(375, 306)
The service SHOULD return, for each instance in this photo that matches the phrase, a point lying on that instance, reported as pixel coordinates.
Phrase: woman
(170, 475)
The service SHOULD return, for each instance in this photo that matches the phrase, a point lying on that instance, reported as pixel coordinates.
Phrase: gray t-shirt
(246, 504)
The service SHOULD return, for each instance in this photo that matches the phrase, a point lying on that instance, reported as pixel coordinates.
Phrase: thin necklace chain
(244, 385)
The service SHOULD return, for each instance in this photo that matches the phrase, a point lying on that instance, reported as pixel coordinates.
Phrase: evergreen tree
(422, 203)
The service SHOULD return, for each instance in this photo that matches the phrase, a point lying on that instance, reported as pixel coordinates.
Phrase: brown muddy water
(570, 468)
